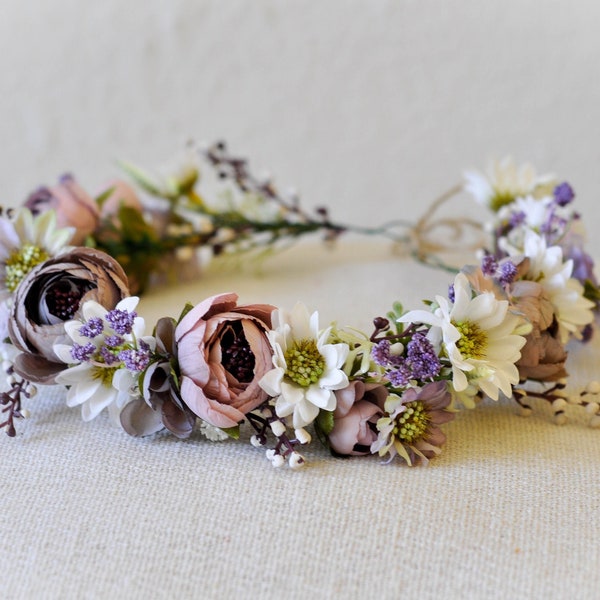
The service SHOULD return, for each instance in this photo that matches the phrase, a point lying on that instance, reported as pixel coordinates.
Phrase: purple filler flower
(400, 376)
(507, 272)
(113, 341)
(517, 218)
(92, 328)
(451, 295)
(419, 362)
(422, 358)
(563, 194)
(381, 353)
(121, 320)
(108, 357)
(82, 353)
(489, 265)
(134, 360)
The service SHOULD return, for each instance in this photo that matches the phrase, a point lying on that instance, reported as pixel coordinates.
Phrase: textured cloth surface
(505, 512)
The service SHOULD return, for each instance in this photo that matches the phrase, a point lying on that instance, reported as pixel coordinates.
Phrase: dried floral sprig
(12, 399)
(500, 331)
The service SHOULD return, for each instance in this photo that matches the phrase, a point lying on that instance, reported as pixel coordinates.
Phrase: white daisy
(101, 376)
(26, 241)
(306, 368)
(478, 335)
(503, 182)
(547, 267)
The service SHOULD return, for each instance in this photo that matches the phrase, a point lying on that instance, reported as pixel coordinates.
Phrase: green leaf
(101, 199)
(397, 308)
(591, 291)
(232, 432)
(144, 179)
(175, 376)
(325, 421)
(186, 309)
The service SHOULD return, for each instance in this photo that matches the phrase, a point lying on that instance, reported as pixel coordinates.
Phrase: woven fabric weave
(505, 512)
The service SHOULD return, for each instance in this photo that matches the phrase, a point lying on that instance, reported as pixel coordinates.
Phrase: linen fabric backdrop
(372, 109)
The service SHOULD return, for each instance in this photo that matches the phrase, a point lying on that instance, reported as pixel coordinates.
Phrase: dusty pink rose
(51, 294)
(359, 407)
(74, 207)
(223, 352)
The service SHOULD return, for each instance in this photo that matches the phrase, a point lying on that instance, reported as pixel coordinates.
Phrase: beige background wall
(357, 103)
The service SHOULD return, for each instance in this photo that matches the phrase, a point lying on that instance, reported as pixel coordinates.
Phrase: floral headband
(69, 264)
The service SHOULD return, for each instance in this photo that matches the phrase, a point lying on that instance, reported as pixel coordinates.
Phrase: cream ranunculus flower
(479, 335)
(307, 369)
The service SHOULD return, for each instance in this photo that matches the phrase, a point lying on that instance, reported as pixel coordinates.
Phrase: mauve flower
(583, 264)
(410, 427)
(4, 316)
(161, 406)
(359, 407)
(544, 356)
(223, 352)
(74, 207)
(51, 294)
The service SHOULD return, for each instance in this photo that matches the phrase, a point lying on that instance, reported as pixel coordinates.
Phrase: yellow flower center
(412, 423)
(305, 364)
(473, 341)
(20, 262)
(104, 374)
(500, 199)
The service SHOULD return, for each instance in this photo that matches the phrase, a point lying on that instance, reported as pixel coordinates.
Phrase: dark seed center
(237, 357)
(63, 298)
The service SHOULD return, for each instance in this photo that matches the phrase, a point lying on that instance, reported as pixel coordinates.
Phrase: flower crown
(70, 263)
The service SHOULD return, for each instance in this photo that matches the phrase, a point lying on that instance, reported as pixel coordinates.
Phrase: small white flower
(306, 370)
(214, 434)
(547, 267)
(503, 182)
(96, 384)
(534, 210)
(255, 207)
(478, 335)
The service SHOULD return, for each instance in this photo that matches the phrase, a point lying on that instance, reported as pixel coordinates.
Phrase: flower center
(62, 299)
(104, 374)
(473, 341)
(236, 356)
(501, 199)
(412, 423)
(20, 262)
(305, 364)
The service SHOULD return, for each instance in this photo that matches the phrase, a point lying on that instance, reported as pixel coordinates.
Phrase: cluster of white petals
(91, 387)
(303, 402)
(491, 365)
(39, 232)
(547, 267)
(503, 179)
